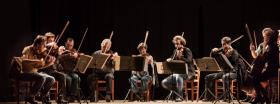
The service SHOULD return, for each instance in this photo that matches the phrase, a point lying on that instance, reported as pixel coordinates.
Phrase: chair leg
(17, 86)
(113, 90)
(192, 90)
(216, 88)
(197, 91)
(186, 90)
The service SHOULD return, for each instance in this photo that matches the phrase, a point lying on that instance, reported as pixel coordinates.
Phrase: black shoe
(178, 99)
(60, 100)
(257, 101)
(92, 99)
(71, 99)
(31, 100)
(108, 98)
(247, 99)
(46, 100)
(205, 100)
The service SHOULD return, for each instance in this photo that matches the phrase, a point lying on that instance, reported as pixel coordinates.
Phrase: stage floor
(135, 102)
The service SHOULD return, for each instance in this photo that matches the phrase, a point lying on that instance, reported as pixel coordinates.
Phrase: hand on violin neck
(252, 47)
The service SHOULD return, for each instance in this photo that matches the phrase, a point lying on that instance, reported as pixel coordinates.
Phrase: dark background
(204, 22)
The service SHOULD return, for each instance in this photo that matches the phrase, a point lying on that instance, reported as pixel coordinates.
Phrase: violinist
(106, 73)
(180, 53)
(143, 76)
(52, 70)
(51, 43)
(67, 58)
(265, 65)
(43, 82)
(226, 74)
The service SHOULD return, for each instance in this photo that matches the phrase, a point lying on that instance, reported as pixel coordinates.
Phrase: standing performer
(265, 65)
(43, 82)
(143, 76)
(67, 58)
(106, 73)
(52, 70)
(180, 53)
(228, 73)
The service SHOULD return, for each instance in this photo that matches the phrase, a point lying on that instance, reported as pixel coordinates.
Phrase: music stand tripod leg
(128, 92)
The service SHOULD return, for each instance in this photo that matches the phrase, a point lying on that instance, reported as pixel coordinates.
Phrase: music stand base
(171, 93)
(230, 99)
(204, 94)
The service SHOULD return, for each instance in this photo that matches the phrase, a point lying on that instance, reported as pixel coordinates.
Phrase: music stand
(98, 61)
(132, 63)
(174, 67)
(83, 63)
(207, 64)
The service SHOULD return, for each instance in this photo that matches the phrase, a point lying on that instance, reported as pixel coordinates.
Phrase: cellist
(265, 65)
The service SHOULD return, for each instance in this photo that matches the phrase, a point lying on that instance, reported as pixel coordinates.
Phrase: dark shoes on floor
(31, 100)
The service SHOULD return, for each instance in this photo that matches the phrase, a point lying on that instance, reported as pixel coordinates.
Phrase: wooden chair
(148, 93)
(54, 91)
(194, 85)
(100, 87)
(219, 87)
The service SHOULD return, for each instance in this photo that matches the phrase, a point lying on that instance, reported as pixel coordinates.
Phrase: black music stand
(98, 61)
(174, 67)
(132, 63)
(207, 64)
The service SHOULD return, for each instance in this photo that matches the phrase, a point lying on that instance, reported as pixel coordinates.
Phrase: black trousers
(92, 79)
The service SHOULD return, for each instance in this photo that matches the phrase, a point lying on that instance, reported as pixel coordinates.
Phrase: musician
(143, 76)
(43, 82)
(51, 43)
(176, 80)
(67, 58)
(226, 74)
(53, 69)
(106, 73)
(265, 65)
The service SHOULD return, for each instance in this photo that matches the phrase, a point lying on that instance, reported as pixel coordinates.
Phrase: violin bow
(146, 37)
(82, 39)
(183, 33)
(249, 34)
(58, 38)
(237, 39)
(111, 36)
(255, 40)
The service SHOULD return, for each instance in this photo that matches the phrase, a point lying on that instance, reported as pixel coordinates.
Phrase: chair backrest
(197, 71)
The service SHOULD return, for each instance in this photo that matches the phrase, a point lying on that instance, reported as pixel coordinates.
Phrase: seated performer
(67, 58)
(266, 64)
(43, 82)
(177, 80)
(53, 69)
(143, 76)
(106, 73)
(226, 74)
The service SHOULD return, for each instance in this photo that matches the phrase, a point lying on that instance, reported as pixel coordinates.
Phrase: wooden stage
(136, 102)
